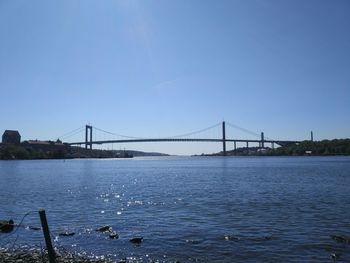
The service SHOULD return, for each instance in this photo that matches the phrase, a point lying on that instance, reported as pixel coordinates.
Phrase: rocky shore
(17, 256)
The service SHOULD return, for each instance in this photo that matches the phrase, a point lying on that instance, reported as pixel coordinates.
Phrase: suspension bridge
(223, 139)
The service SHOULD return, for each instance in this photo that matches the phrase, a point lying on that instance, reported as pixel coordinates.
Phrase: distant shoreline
(49, 152)
(336, 147)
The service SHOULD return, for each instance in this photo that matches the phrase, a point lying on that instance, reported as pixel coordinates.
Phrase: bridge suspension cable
(168, 137)
(88, 142)
(268, 138)
(247, 131)
(71, 133)
(243, 129)
(194, 132)
(116, 134)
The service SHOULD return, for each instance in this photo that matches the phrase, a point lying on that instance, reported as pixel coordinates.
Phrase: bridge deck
(280, 142)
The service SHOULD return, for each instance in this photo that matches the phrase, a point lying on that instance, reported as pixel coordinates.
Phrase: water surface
(188, 209)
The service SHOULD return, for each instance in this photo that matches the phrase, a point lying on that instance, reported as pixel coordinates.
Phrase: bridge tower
(88, 136)
(262, 140)
(312, 136)
(223, 139)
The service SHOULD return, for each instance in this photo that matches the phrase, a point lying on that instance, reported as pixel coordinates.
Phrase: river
(187, 209)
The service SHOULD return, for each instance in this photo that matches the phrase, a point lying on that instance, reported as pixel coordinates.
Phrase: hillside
(318, 148)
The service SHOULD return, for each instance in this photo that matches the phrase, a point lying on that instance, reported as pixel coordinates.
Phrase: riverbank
(36, 256)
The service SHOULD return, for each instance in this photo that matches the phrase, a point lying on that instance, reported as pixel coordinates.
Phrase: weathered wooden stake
(50, 250)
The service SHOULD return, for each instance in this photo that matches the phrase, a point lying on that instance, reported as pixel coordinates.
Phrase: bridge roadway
(279, 142)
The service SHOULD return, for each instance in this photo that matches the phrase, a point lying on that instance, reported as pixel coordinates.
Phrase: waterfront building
(11, 137)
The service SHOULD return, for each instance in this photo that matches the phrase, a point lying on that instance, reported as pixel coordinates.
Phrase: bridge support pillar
(247, 147)
(235, 146)
(88, 136)
(223, 139)
(262, 140)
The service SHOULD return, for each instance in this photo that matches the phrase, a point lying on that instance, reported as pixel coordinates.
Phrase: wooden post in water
(50, 250)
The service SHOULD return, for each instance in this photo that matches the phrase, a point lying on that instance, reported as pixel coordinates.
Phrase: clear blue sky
(157, 68)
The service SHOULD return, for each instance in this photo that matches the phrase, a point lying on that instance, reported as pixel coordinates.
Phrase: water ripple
(186, 209)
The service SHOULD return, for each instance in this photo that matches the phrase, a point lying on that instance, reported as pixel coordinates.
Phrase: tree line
(325, 147)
